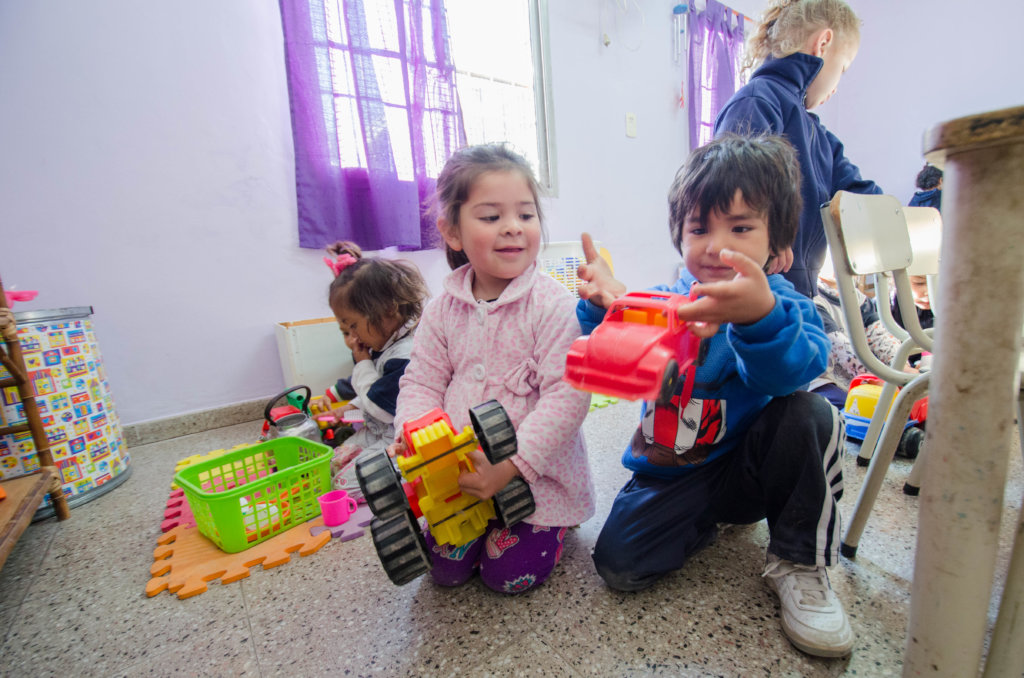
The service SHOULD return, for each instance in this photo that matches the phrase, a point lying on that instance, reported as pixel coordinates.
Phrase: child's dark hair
(460, 173)
(377, 288)
(929, 177)
(764, 168)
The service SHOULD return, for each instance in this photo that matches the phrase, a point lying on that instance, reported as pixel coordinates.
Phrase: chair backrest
(868, 235)
(925, 227)
(874, 232)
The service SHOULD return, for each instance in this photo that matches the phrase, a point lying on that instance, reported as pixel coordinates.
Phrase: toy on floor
(295, 419)
(336, 507)
(292, 419)
(861, 402)
(435, 457)
(251, 494)
(639, 351)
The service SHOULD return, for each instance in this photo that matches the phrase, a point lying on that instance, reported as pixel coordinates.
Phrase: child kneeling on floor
(748, 444)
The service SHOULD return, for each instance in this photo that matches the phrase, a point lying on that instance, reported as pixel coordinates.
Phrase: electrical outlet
(631, 125)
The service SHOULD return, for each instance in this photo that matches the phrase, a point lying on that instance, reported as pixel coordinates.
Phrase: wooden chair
(24, 494)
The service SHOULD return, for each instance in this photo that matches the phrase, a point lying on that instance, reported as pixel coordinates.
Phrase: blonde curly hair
(786, 25)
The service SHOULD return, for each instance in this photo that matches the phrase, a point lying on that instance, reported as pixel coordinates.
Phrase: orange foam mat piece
(185, 560)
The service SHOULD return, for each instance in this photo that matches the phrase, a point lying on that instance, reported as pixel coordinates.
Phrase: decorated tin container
(64, 365)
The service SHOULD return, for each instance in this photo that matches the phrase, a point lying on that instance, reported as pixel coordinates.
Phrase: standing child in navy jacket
(803, 47)
(747, 445)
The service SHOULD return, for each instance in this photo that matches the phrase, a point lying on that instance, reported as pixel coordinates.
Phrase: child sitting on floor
(377, 303)
(748, 444)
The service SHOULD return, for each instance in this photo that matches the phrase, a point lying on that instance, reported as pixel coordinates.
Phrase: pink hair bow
(340, 264)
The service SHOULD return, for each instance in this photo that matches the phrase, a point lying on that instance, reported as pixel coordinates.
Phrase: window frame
(547, 172)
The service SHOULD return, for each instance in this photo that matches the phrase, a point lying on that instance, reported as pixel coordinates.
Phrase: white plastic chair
(868, 235)
(924, 227)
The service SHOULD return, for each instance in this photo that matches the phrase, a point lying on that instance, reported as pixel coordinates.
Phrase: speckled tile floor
(72, 598)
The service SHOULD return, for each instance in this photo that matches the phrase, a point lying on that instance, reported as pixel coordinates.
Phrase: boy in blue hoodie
(800, 51)
(747, 445)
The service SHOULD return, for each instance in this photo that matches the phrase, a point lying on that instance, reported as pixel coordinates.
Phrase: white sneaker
(812, 616)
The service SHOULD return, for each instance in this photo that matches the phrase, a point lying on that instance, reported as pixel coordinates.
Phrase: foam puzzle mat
(185, 561)
(354, 527)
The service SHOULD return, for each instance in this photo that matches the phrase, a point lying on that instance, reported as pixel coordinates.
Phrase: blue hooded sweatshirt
(930, 198)
(743, 367)
(773, 103)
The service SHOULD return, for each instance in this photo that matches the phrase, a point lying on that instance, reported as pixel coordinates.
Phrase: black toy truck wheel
(381, 486)
(401, 547)
(494, 431)
(668, 383)
(514, 502)
(910, 443)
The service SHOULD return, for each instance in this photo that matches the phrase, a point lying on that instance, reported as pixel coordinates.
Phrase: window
(377, 106)
(501, 76)
(715, 55)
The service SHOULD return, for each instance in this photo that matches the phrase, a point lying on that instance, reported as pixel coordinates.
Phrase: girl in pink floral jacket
(501, 330)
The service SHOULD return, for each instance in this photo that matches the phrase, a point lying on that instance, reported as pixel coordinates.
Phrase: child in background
(802, 48)
(843, 363)
(925, 315)
(378, 303)
(929, 181)
(922, 303)
(748, 445)
(501, 330)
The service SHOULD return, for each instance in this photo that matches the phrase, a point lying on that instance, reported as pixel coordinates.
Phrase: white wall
(146, 164)
(920, 64)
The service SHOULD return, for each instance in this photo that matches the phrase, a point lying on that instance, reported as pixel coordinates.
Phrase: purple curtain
(375, 114)
(716, 48)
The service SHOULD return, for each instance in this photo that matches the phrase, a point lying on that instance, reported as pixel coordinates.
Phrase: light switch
(631, 125)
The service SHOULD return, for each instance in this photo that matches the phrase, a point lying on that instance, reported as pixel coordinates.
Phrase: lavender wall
(146, 165)
(920, 64)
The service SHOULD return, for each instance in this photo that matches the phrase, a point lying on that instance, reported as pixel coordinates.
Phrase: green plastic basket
(250, 494)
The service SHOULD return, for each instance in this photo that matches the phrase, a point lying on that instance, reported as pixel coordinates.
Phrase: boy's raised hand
(599, 284)
(743, 300)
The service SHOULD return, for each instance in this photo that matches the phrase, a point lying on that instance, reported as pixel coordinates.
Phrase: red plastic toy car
(638, 351)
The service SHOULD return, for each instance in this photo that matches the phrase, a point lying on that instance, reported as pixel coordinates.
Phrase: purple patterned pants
(510, 560)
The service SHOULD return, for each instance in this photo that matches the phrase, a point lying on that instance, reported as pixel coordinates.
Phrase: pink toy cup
(336, 507)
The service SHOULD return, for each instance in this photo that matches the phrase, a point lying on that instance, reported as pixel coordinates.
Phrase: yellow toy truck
(436, 455)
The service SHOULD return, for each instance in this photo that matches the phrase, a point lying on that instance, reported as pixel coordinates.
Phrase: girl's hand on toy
(782, 262)
(488, 478)
(320, 405)
(397, 449)
(743, 300)
(600, 286)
